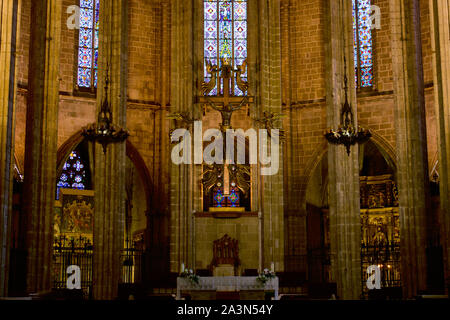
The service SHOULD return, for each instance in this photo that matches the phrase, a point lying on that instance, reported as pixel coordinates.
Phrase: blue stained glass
(95, 77)
(84, 77)
(96, 39)
(86, 18)
(240, 49)
(86, 3)
(73, 173)
(85, 37)
(363, 42)
(240, 29)
(218, 198)
(225, 32)
(88, 43)
(240, 10)
(210, 29)
(210, 10)
(96, 59)
(78, 165)
(233, 198)
(84, 57)
(210, 49)
(97, 12)
(225, 10)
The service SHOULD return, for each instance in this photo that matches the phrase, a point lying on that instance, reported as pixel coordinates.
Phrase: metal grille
(386, 255)
(132, 263)
(72, 251)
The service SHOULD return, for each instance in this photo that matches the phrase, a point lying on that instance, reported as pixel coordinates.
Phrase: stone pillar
(41, 141)
(412, 171)
(109, 170)
(157, 233)
(182, 91)
(440, 41)
(10, 17)
(294, 185)
(343, 170)
(270, 189)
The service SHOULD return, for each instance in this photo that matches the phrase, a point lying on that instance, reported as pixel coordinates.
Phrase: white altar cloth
(227, 284)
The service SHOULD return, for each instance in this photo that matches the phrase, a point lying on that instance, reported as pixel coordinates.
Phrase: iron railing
(72, 251)
(79, 251)
(385, 255)
(132, 263)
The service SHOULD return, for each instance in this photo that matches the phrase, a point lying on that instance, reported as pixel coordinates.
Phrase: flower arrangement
(265, 276)
(190, 275)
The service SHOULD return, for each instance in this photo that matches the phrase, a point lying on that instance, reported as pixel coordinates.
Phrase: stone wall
(244, 229)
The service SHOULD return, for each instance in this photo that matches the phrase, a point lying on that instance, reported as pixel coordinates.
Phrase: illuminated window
(225, 33)
(73, 174)
(88, 44)
(362, 36)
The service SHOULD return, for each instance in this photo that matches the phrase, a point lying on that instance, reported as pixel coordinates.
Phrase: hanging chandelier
(346, 134)
(104, 131)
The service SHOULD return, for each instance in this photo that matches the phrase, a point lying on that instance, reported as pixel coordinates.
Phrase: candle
(272, 267)
(182, 267)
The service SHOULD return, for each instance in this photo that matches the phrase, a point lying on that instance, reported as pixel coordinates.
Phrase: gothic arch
(314, 161)
(385, 149)
(131, 151)
(382, 144)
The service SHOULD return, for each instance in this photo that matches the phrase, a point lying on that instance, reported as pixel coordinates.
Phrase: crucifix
(225, 101)
(225, 78)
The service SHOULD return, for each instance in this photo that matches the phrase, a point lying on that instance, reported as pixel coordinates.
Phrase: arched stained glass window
(362, 34)
(73, 174)
(218, 198)
(233, 198)
(225, 33)
(88, 44)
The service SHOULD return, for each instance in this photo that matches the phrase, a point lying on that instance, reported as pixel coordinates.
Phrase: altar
(227, 284)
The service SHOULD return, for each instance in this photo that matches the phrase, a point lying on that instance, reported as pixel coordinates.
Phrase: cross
(225, 103)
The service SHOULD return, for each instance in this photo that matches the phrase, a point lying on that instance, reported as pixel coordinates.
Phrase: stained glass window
(73, 174)
(362, 36)
(218, 198)
(225, 33)
(233, 198)
(88, 44)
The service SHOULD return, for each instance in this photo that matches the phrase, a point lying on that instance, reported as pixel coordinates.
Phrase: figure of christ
(226, 110)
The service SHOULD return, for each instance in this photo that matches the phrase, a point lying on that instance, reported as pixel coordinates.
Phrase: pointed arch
(132, 153)
(385, 149)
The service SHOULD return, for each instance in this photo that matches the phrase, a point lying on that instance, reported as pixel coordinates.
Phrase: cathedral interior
(117, 180)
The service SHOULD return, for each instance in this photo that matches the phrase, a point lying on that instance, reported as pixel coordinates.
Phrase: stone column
(109, 170)
(158, 218)
(343, 170)
(440, 35)
(182, 91)
(41, 141)
(412, 171)
(294, 185)
(270, 189)
(10, 18)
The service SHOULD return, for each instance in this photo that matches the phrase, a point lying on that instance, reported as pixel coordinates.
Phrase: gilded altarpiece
(380, 229)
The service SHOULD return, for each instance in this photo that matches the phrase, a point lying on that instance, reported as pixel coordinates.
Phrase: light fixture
(346, 134)
(104, 131)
